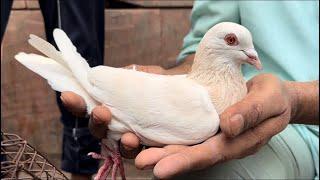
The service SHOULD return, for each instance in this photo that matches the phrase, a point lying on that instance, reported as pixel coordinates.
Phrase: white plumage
(159, 109)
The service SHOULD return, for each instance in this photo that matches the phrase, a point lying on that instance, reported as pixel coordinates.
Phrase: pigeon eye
(231, 39)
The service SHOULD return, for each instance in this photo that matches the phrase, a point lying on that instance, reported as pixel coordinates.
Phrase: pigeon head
(217, 63)
(230, 43)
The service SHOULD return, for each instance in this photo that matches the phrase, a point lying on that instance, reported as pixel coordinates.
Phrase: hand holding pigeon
(257, 112)
(159, 109)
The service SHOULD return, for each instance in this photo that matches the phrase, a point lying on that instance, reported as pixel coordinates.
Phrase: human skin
(270, 105)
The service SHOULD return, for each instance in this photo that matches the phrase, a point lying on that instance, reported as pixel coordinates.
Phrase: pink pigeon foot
(112, 161)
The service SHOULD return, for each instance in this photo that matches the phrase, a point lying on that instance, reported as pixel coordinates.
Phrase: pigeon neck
(222, 78)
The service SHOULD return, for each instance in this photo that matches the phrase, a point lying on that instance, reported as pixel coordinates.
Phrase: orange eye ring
(231, 39)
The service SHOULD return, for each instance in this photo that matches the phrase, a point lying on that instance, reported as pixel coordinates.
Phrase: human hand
(245, 127)
(98, 123)
(148, 69)
(101, 116)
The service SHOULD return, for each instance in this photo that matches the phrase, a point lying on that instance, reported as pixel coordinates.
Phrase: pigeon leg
(112, 161)
(123, 176)
(105, 168)
(118, 164)
(114, 172)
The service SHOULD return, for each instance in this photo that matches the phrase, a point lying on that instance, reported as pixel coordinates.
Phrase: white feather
(76, 63)
(47, 49)
(159, 109)
(58, 77)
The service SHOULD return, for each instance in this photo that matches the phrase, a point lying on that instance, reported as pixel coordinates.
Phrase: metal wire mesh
(19, 160)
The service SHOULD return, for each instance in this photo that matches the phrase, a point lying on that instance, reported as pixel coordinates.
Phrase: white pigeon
(159, 109)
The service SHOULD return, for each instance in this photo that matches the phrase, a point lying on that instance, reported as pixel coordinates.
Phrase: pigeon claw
(111, 162)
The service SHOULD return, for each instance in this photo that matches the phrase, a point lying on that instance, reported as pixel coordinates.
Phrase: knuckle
(254, 116)
(231, 156)
(222, 158)
(281, 101)
(278, 123)
(257, 110)
(267, 79)
(281, 123)
(257, 140)
(272, 77)
(218, 154)
(258, 143)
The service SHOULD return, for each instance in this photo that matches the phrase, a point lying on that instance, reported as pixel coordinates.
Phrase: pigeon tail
(64, 71)
(75, 62)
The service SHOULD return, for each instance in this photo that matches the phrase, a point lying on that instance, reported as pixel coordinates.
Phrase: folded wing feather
(163, 109)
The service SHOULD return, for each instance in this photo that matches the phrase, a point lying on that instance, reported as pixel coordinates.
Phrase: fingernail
(101, 115)
(236, 124)
(127, 148)
(148, 167)
(63, 100)
(96, 119)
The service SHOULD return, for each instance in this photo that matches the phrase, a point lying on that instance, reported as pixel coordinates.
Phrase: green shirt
(285, 35)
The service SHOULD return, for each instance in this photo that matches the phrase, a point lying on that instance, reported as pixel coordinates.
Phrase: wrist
(304, 99)
(293, 99)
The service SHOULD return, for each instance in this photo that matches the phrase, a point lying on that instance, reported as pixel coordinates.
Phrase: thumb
(253, 109)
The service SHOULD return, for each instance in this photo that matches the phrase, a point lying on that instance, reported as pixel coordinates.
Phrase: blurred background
(136, 32)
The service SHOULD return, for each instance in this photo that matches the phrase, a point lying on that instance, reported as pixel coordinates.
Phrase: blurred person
(83, 21)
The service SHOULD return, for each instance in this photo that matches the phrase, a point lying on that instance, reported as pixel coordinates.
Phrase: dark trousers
(83, 21)
(5, 12)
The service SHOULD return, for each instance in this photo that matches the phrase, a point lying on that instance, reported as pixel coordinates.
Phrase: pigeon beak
(253, 58)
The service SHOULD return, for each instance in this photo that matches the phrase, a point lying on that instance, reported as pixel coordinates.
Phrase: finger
(254, 108)
(99, 120)
(253, 139)
(192, 158)
(138, 68)
(149, 157)
(130, 145)
(74, 103)
(132, 66)
(130, 141)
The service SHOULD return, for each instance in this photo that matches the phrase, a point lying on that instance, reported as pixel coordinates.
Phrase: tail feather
(58, 76)
(76, 63)
(47, 49)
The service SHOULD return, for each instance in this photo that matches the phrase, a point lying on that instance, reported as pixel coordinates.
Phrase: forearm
(182, 68)
(305, 100)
